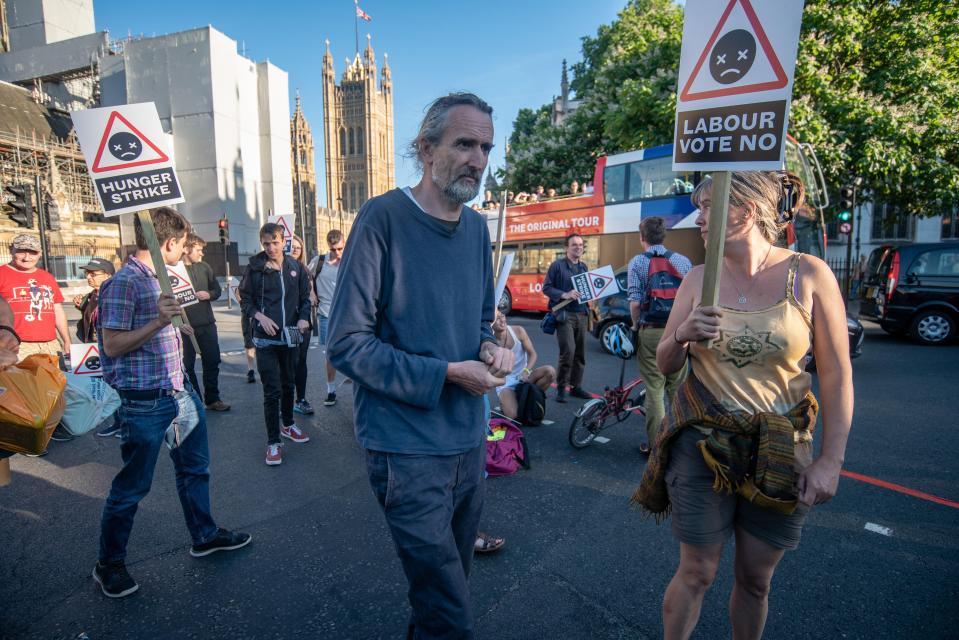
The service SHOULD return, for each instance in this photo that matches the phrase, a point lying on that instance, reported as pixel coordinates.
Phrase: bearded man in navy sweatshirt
(410, 324)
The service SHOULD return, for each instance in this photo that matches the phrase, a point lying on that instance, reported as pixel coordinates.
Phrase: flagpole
(356, 25)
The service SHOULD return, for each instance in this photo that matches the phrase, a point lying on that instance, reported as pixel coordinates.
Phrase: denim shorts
(701, 516)
(324, 323)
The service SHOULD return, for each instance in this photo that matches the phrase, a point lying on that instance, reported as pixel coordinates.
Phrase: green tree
(876, 93)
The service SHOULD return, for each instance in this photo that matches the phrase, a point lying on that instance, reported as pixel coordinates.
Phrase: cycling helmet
(618, 342)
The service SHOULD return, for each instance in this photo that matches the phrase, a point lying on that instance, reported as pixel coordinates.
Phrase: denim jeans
(209, 342)
(277, 367)
(143, 423)
(432, 506)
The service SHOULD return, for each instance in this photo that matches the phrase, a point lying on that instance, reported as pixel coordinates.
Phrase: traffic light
(18, 197)
(224, 225)
(846, 196)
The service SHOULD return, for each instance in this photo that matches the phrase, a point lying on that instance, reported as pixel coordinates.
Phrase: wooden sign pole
(159, 267)
(499, 237)
(716, 240)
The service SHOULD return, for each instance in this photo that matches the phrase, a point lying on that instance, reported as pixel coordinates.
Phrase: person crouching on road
(203, 322)
(275, 295)
(524, 360)
(142, 359)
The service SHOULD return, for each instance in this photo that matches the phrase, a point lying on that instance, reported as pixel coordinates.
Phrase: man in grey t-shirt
(325, 284)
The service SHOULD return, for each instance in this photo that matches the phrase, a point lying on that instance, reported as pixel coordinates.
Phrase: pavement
(879, 561)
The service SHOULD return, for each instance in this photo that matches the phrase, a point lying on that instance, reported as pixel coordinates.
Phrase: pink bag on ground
(505, 448)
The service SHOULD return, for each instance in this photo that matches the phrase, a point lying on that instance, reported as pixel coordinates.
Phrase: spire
(328, 60)
(564, 85)
(368, 53)
(386, 74)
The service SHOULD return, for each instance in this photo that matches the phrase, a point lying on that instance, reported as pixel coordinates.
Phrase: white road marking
(601, 439)
(878, 528)
(547, 422)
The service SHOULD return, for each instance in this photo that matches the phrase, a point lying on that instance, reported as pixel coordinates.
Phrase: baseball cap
(100, 264)
(26, 242)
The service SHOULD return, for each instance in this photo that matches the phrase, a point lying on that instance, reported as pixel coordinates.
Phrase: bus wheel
(506, 303)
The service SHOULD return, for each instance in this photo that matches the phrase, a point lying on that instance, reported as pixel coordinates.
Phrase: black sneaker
(114, 580)
(112, 430)
(579, 392)
(303, 406)
(330, 399)
(561, 396)
(224, 541)
(61, 435)
(250, 376)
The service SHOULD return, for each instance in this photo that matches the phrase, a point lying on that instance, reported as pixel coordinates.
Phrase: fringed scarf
(751, 454)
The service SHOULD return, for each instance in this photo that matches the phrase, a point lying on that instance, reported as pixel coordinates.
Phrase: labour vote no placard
(126, 153)
(735, 84)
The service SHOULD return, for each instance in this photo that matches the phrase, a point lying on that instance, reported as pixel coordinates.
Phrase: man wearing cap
(98, 271)
(35, 298)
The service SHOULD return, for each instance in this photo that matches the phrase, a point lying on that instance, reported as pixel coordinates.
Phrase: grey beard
(458, 192)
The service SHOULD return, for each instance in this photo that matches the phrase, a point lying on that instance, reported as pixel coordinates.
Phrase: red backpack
(664, 281)
(505, 455)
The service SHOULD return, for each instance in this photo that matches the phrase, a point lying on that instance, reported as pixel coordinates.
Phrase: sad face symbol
(125, 146)
(92, 363)
(732, 57)
(174, 281)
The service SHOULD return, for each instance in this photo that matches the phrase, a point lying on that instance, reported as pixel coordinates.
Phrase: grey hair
(434, 122)
(766, 190)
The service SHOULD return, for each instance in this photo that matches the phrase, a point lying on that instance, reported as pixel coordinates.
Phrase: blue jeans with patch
(143, 424)
(432, 506)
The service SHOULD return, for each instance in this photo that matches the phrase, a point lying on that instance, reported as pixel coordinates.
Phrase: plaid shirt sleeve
(637, 279)
(117, 305)
(681, 263)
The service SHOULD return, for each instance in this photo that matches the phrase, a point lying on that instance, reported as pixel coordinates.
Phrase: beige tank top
(758, 362)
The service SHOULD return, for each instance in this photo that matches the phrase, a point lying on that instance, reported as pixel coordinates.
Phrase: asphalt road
(579, 563)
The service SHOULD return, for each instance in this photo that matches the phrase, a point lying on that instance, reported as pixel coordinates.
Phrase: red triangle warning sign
(740, 58)
(125, 147)
(89, 364)
(287, 232)
(599, 284)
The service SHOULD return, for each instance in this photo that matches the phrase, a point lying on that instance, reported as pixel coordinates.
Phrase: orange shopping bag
(31, 403)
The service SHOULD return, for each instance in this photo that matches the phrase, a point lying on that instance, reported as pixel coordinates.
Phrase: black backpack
(531, 404)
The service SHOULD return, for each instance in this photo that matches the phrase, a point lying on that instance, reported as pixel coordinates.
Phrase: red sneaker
(293, 433)
(274, 454)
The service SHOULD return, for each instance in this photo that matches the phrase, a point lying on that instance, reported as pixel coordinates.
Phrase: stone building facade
(358, 131)
(304, 180)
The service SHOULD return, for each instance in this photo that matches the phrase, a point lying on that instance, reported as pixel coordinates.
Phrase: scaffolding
(66, 182)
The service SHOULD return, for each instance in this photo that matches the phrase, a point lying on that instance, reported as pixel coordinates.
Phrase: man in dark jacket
(571, 329)
(203, 322)
(275, 295)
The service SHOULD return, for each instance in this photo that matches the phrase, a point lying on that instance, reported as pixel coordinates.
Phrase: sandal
(485, 543)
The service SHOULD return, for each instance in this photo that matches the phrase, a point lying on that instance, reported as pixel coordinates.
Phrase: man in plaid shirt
(652, 233)
(141, 357)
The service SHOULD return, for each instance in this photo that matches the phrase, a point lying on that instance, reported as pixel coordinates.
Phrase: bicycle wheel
(588, 423)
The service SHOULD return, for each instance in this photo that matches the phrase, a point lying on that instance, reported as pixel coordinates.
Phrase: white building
(230, 121)
(229, 116)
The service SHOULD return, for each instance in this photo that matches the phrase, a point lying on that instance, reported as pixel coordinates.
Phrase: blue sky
(508, 52)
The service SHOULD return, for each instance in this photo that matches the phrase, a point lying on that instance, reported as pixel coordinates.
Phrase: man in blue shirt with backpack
(654, 278)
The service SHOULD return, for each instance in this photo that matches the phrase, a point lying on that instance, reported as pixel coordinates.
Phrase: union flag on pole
(362, 14)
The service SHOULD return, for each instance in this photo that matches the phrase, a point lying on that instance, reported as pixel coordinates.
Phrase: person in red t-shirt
(35, 298)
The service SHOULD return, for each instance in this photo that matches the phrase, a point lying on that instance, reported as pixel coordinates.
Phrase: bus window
(614, 182)
(655, 178)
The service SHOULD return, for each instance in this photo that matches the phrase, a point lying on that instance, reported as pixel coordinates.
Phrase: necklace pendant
(742, 299)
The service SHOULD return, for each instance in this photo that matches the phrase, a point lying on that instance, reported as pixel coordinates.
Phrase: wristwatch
(4, 327)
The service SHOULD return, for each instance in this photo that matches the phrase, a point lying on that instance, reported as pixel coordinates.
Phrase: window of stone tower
(359, 140)
(341, 204)
(353, 197)
(342, 142)
(362, 194)
(352, 142)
